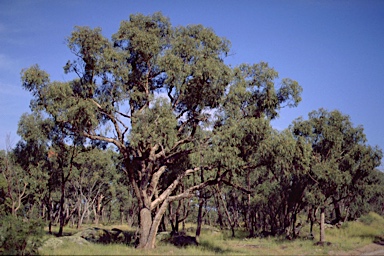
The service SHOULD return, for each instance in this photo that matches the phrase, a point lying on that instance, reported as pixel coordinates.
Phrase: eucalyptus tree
(341, 159)
(243, 131)
(22, 169)
(93, 179)
(150, 91)
(369, 198)
(14, 185)
(374, 196)
(32, 154)
(282, 183)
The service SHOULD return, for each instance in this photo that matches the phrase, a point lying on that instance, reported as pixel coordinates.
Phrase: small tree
(20, 237)
(340, 157)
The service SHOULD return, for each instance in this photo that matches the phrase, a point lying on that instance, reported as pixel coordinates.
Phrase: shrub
(18, 237)
(366, 219)
(372, 217)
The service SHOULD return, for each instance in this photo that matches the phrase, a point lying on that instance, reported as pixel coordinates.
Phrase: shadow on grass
(56, 234)
(207, 246)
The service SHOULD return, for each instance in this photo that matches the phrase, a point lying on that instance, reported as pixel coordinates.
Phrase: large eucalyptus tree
(151, 91)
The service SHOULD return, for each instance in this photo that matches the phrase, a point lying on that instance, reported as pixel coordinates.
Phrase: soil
(374, 249)
(371, 249)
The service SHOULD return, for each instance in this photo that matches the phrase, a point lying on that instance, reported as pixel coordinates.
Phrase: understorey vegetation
(155, 131)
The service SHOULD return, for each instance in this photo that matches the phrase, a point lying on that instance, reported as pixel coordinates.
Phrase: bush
(18, 237)
(370, 218)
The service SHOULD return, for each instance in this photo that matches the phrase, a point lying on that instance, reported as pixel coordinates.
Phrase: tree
(243, 132)
(281, 183)
(152, 92)
(14, 183)
(93, 178)
(341, 159)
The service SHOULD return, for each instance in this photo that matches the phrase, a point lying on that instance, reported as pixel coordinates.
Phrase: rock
(96, 235)
(105, 236)
(119, 236)
(55, 242)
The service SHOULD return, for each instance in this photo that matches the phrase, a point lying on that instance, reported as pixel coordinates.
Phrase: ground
(373, 249)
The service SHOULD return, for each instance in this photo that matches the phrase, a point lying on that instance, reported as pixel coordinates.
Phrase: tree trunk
(322, 225)
(145, 226)
(219, 214)
(230, 221)
(61, 214)
(149, 227)
(199, 216)
(162, 227)
(96, 217)
(81, 217)
(336, 206)
(121, 215)
(312, 219)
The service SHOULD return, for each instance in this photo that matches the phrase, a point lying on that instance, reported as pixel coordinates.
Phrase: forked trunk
(149, 226)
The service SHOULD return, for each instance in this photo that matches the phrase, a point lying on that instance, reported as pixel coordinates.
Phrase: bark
(248, 211)
(201, 204)
(61, 214)
(162, 227)
(219, 213)
(322, 225)
(82, 214)
(199, 217)
(312, 219)
(145, 226)
(336, 206)
(49, 216)
(121, 216)
(231, 222)
(149, 227)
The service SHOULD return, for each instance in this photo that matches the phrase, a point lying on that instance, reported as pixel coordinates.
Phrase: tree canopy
(184, 123)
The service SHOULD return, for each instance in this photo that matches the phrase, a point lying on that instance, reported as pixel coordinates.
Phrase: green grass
(212, 241)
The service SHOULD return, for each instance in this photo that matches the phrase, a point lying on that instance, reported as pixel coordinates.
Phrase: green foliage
(367, 219)
(372, 218)
(181, 119)
(19, 237)
(155, 125)
(340, 158)
(254, 94)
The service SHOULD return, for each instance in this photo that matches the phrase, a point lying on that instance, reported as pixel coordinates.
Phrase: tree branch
(171, 187)
(226, 182)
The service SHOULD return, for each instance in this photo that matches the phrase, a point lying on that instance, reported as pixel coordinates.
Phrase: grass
(350, 236)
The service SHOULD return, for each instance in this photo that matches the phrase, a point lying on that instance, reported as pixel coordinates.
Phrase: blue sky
(334, 49)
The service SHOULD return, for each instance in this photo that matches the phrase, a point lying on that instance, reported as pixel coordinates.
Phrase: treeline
(157, 131)
(74, 184)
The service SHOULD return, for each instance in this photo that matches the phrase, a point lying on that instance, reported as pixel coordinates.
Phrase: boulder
(120, 236)
(96, 235)
(101, 235)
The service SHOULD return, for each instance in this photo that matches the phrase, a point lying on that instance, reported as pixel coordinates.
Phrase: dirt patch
(370, 249)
